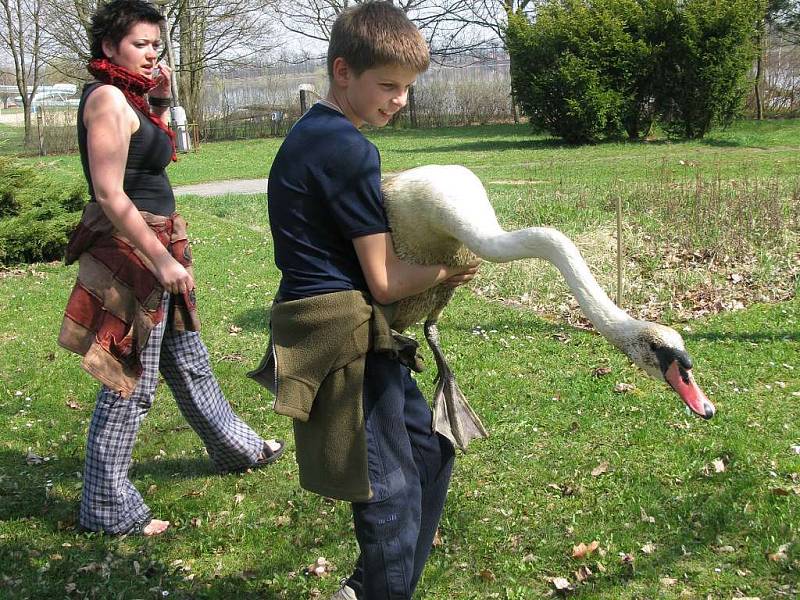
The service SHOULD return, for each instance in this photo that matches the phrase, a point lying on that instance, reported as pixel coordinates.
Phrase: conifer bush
(36, 215)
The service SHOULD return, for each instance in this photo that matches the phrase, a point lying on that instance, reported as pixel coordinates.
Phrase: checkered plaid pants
(109, 501)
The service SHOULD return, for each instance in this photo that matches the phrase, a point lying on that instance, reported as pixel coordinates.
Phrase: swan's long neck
(556, 248)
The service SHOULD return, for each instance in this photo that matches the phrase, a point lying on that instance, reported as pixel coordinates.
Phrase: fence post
(40, 130)
(412, 107)
(619, 251)
(303, 101)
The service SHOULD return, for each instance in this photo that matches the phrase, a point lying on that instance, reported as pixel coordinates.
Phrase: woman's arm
(109, 123)
(391, 279)
(161, 91)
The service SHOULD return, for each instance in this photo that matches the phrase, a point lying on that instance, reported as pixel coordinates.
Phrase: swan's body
(441, 214)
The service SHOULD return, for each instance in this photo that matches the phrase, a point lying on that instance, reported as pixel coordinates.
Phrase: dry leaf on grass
(74, 404)
(92, 567)
(32, 458)
(564, 489)
(780, 555)
(600, 567)
(649, 548)
(601, 371)
(583, 573)
(717, 466)
(668, 581)
(562, 585)
(320, 568)
(583, 550)
(437, 540)
(600, 469)
(624, 388)
(487, 575)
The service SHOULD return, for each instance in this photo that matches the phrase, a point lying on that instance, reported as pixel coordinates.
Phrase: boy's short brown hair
(377, 34)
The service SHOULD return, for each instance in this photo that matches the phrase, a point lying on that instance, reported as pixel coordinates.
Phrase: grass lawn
(512, 153)
(11, 139)
(696, 509)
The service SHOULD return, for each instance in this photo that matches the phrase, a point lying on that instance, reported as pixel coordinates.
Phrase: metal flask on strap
(178, 123)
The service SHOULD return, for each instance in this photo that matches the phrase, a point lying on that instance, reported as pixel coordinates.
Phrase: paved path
(220, 188)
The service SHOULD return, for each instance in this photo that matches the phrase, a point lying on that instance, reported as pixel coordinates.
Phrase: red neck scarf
(134, 86)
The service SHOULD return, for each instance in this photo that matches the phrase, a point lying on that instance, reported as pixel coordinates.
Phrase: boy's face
(374, 96)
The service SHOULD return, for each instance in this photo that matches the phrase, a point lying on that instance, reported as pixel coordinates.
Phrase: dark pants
(409, 472)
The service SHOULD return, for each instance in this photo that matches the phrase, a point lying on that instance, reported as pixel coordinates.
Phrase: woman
(132, 311)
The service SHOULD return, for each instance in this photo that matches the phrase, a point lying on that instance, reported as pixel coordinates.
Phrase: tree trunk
(26, 111)
(192, 65)
(759, 78)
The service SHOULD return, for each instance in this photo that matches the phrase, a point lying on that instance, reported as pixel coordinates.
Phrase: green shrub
(36, 215)
(14, 177)
(583, 70)
(587, 70)
(709, 50)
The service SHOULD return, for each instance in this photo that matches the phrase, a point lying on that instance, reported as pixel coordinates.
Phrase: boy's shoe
(345, 593)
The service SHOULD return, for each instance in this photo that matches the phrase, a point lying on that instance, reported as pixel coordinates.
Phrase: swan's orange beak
(683, 383)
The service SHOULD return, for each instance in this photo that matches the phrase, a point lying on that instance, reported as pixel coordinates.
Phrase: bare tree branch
(21, 37)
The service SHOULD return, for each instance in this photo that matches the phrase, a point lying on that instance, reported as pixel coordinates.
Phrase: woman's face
(138, 50)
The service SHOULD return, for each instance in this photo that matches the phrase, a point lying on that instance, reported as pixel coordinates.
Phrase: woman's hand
(172, 275)
(163, 82)
(462, 275)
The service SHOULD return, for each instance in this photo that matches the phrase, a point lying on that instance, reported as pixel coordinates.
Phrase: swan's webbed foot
(453, 417)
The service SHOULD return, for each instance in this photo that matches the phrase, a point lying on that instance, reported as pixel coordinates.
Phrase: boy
(334, 248)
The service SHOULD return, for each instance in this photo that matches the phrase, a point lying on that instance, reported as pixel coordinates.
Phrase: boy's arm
(391, 279)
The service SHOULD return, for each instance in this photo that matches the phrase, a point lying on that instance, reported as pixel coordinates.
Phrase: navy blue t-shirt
(324, 190)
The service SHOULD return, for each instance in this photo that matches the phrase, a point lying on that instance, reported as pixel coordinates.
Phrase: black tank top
(149, 153)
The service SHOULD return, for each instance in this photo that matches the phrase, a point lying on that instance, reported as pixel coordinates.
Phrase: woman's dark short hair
(113, 20)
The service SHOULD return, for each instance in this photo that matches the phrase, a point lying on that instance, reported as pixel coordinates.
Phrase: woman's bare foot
(155, 527)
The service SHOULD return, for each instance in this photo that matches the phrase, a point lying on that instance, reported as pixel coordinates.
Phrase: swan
(442, 214)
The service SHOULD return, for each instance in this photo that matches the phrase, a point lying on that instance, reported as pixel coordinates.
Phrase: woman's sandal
(140, 528)
(267, 457)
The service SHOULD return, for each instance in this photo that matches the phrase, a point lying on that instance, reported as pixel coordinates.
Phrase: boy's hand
(462, 275)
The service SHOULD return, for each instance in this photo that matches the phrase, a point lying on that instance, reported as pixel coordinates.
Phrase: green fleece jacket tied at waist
(315, 368)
